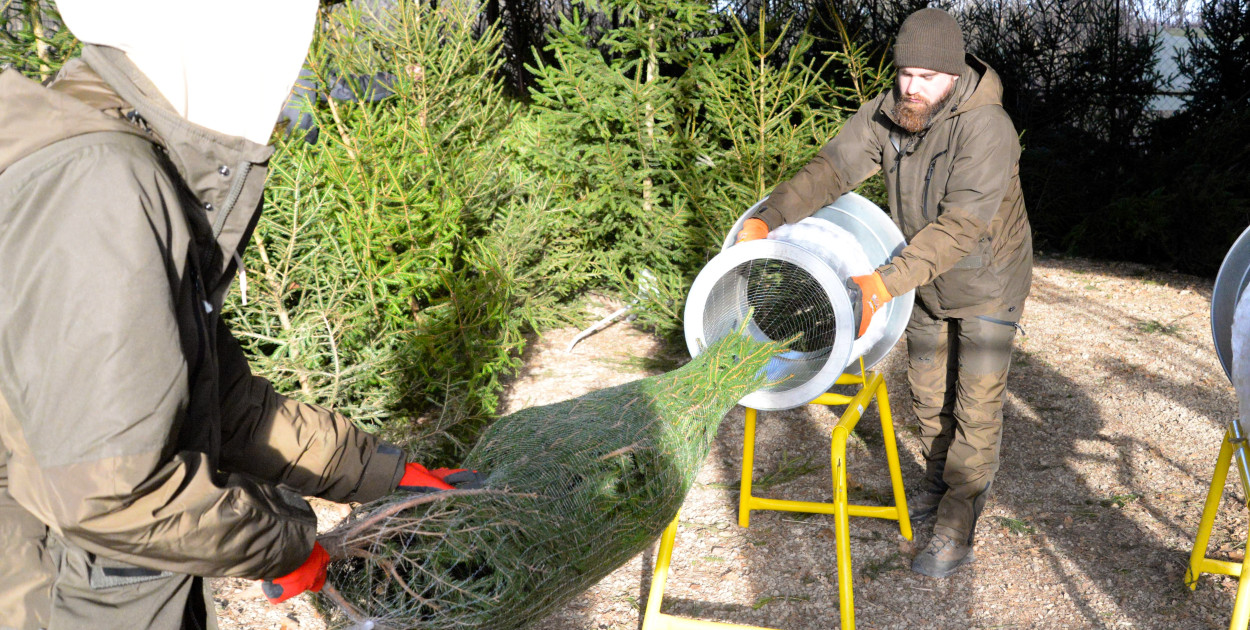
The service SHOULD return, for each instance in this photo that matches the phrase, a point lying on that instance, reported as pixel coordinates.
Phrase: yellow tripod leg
(1241, 605)
(1198, 562)
(748, 462)
(871, 387)
(842, 525)
(891, 458)
(651, 619)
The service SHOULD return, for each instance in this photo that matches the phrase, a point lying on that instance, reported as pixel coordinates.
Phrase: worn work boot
(943, 555)
(923, 505)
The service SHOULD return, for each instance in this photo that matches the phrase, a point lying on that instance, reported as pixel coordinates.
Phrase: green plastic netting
(575, 489)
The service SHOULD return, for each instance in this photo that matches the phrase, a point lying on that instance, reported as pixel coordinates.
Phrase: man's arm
(989, 154)
(306, 447)
(95, 378)
(849, 158)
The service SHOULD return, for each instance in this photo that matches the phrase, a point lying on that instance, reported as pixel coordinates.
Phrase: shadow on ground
(1111, 430)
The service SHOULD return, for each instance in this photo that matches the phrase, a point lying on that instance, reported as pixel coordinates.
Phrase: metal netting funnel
(1228, 330)
(1230, 283)
(1229, 310)
(780, 291)
(786, 289)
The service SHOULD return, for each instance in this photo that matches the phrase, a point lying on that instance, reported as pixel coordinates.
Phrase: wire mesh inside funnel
(796, 283)
(783, 301)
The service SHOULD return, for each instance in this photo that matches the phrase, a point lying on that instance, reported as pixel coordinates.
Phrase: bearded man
(950, 157)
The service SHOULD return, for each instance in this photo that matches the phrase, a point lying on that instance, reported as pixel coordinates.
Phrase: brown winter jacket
(129, 420)
(954, 191)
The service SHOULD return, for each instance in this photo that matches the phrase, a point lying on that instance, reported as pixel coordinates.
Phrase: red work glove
(868, 295)
(418, 479)
(752, 229)
(310, 576)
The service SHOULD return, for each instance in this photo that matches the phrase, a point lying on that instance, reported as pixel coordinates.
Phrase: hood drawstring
(242, 277)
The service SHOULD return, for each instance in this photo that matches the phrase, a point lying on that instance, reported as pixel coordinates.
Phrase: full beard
(914, 117)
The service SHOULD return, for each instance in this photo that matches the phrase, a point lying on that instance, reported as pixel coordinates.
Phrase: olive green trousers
(957, 369)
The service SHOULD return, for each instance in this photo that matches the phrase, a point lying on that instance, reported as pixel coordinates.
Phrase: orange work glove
(310, 576)
(418, 479)
(752, 229)
(868, 295)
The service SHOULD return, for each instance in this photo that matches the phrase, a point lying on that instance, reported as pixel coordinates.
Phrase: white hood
(227, 65)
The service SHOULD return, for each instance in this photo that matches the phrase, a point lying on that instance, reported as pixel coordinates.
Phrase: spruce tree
(33, 40)
(767, 110)
(403, 255)
(610, 115)
(1218, 62)
(572, 491)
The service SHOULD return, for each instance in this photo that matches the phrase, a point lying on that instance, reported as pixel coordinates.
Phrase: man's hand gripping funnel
(792, 282)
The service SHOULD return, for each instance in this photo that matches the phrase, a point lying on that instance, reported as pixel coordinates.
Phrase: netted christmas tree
(574, 490)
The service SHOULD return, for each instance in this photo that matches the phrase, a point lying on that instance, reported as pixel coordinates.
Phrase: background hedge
(477, 167)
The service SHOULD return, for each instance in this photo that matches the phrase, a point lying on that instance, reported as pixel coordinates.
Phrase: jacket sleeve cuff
(772, 217)
(894, 281)
(381, 475)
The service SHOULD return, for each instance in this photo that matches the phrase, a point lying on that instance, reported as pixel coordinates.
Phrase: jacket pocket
(104, 573)
(928, 185)
(970, 282)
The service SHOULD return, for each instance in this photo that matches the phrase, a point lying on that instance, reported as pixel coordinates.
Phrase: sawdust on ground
(1116, 408)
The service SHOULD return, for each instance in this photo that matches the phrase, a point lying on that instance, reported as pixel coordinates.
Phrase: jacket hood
(33, 117)
(104, 91)
(227, 65)
(197, 152)
(225, 174)
(988, 90)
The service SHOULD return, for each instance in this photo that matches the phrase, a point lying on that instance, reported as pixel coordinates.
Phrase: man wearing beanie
(950, 158)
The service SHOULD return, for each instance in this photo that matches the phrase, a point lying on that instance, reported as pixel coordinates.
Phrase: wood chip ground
(1116, 408)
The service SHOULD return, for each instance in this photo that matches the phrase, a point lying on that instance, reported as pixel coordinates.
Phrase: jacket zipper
(242, 170)
(924, 198)
(202, 309)
(236, 189)
(898, 169)
(898, 176)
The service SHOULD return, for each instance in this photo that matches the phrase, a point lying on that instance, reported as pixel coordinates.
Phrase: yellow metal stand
(872, 385)
(1232, 449)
